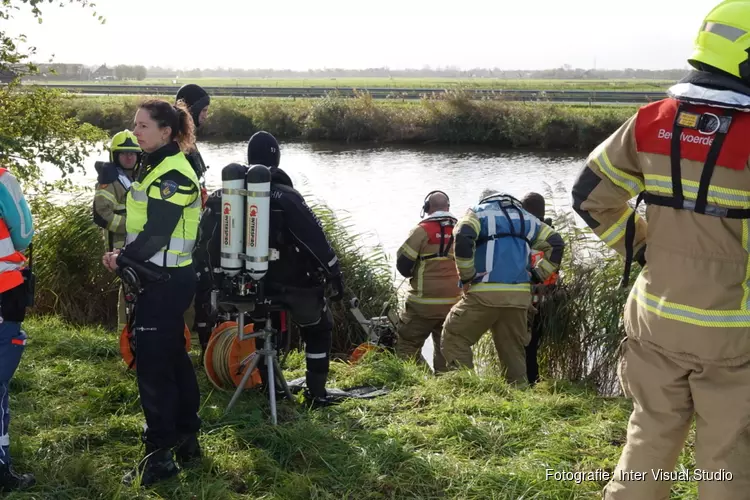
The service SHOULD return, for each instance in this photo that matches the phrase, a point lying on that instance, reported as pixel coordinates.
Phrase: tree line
(72, 72)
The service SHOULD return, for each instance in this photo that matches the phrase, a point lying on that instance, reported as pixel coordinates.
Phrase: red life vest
(439, 232)
(11, 261)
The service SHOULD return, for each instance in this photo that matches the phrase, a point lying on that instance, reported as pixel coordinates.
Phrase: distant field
(495, 83)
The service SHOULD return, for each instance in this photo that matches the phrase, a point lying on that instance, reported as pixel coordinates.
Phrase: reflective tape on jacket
(178, 252)
(731, 318)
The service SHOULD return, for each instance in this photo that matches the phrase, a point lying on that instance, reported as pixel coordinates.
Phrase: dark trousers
(315, 324)
(532, 363)
(166, 378)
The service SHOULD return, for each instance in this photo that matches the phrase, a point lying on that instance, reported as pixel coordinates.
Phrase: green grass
(77, 418)
(440, 83)
(454, 120)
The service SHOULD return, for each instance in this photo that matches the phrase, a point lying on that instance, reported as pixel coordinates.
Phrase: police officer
(494, 240)
(687, 319)
(306, 261)
(16, 231)
(163, 208)
(113, 183)
(427, 258)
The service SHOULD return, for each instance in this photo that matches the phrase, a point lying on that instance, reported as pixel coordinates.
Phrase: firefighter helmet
(723, 41)
(123, 142)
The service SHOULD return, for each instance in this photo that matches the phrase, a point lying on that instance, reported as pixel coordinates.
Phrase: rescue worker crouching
(542, 291)
(16, 288)
(163, 208)
(306, 262)
(427, 258)
(493, 245)
(687, 317)
(113, 183)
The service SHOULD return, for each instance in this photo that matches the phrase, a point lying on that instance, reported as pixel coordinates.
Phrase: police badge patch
(168, 188)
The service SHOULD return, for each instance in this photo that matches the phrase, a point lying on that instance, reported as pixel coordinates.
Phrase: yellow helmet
(724, 39)
(123, 142)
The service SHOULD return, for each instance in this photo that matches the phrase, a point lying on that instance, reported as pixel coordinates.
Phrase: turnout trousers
(166, 378)
(667, 393)
(469, 320)
(413, 330)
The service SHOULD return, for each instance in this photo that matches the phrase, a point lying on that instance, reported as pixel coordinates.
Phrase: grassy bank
(456, 120)
(427, 83)
(77, 420)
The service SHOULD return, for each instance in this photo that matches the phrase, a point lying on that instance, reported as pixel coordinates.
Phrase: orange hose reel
(224, 354)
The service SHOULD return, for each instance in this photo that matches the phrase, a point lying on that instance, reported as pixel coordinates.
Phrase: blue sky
(302, 34)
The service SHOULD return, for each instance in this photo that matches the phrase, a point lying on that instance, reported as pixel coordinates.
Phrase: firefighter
(16, 231)
(493, 245)
(534, 203)
(307, 261)
(687, 317)
(163, 209)
(113, 182)
(427, 258)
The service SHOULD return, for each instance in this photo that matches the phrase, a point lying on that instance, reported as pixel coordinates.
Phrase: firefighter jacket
(112, 187)
(687, 157)
(426, 257)
(494, 241)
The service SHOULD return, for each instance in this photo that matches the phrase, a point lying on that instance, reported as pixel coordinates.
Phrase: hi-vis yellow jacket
(687, 157)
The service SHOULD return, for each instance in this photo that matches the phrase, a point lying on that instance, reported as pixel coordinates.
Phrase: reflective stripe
(316, 355)
(735, 198)
(10, 266)
(116, 220)
(100, 193)
(6, 247)
(333, 261)
(501, 287)
(490, 256)
(547, 266)
(5, 440)
(138, 194)
(687, 314)
(437, 301)
(544, 233)
(464, 263)
(409, 251)
(626, 181)
(617, 230)
(172, 259)
(729, 32)
(746, 281)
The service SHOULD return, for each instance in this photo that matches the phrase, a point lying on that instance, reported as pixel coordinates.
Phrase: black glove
(338, 286)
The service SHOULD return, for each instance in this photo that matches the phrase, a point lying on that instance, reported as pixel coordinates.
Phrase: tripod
(269, 354)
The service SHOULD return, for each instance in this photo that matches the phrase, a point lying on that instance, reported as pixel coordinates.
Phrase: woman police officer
(163, 209)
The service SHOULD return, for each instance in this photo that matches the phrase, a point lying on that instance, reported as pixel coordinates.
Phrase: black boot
(10, 480)
(156, 466)
(316, 394)
(188, 453)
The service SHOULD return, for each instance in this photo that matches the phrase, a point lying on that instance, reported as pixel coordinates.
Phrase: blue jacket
(493, 248)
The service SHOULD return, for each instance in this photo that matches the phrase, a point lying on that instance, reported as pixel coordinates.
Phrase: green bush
(451, 120)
